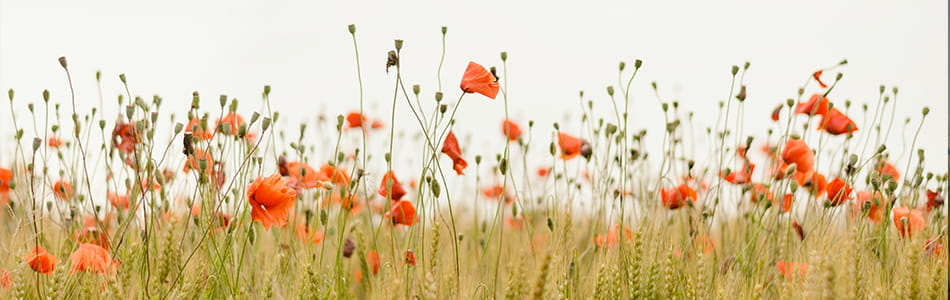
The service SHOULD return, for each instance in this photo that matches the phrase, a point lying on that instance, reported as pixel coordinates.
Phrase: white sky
(303, 50)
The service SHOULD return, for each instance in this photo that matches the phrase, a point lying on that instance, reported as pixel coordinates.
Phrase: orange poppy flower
(886, 168)
(194, 161)
(787, 202)
(572, 146)
(6, 279)
(835, 122)
(271, 200)
(410, 257)
(478, 80)
(355, 119)
(817, 105)
(873, 202)
(838, 191)
(707, 243)
(6, 176)
(372, 258)
(817, 76)
(91, 258)
(308, 235)
(511, 130)
(358, 275)
(403, 212)
(497, 192)
(514, 222)
(305, 176)
(119, 201)
(92, 235)
(390, 187)
(54, 142)
(63, 190)
(232, 121)
(41, 261)
(124, 136)
(543, 171)
(197, 131)
(814, 181)
(223, 220)
(677, 197)
(792, 269)
(760, 191)
(451, 148)
(933, 248)
(776, 112)
(797, 152)
(613, 236)
(934, 200)
(337, 176)
(741, 176)
(908, 221)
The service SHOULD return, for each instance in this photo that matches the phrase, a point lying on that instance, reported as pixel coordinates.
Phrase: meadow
(230, 202)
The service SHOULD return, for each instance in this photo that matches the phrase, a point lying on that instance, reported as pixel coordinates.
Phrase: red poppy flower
(118, 201)
(63, 190)
(478, 80)
(390, 187)
(838, 191)
(271, 200)
(908, 221)
(451, 148)
(817, 105)
(613, 236)
(497, 192)
(195, 159)
(54, 142)
(740, 176)
(403, 212)
(41, 261)
(886, 168)
(835, 122)
(814, 181)
(337, 176)
(792, 269)
(511, 130)
(705, 242)
(543, 171)
(309, 235)
(787, 202)
(197, 131)
(233, 122)
(6, 279)
(797, 152)
(305, 176)
(372, 258)
(817, 76)
(760, 192)
(355, 119)
(572, 146)
(6, 176)
(92, 235)
(677, 197)
(934, 200)
(91, 258)
(124, 136)
(410, 258)
(873, 202)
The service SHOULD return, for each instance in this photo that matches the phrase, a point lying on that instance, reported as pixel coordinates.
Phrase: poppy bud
(838, 76)
(352, 29)
(637, 64)
(503, 166)
(444, 29)
(62, 62)
(265, 124)
(348, 247)
(622, 66)
(742, 94)
(398, 44)
(102, 124)
(556, 126)
(415, 89)
(436, 188)
(45, 95)
(122, 78)
(234, 105)
(586, 150)
(443, 108)
(926, 110)
(504, 56)
(653, 84)
(735, 70)
(438, 96)
(36, 143)
(610, 90)
(10, 94)
(881, 149)
(746, 66)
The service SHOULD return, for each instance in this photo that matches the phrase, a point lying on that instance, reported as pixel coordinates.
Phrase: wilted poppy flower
(572, 146)
(410, 258)
(739, 176)
(41, 261)
(511, 130)
(873, 202)
(91, 258)
(231, 124)
(886, 168)
(792, 269)
(305, 175)
(198, 131)
(817, 105)
(124, 137)
(390, 187)
(934, 200)
(54, 142)
(776, 112)
(372, 258)
(63, 190)
(451, 148)
(798, 230)
(817, 76)
(309, 235)
(797, 152)
(271, 200)
(838, 191)
(677, 197)
(835, 122)
(908, 221)
(403, 212)
(478, 80)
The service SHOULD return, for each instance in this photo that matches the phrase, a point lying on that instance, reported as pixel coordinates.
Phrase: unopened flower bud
(62, 62)
(351, 28)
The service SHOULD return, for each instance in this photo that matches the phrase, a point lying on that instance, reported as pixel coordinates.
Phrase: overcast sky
(303, 50)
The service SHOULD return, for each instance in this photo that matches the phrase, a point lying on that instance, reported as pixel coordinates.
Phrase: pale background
(303, 50)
